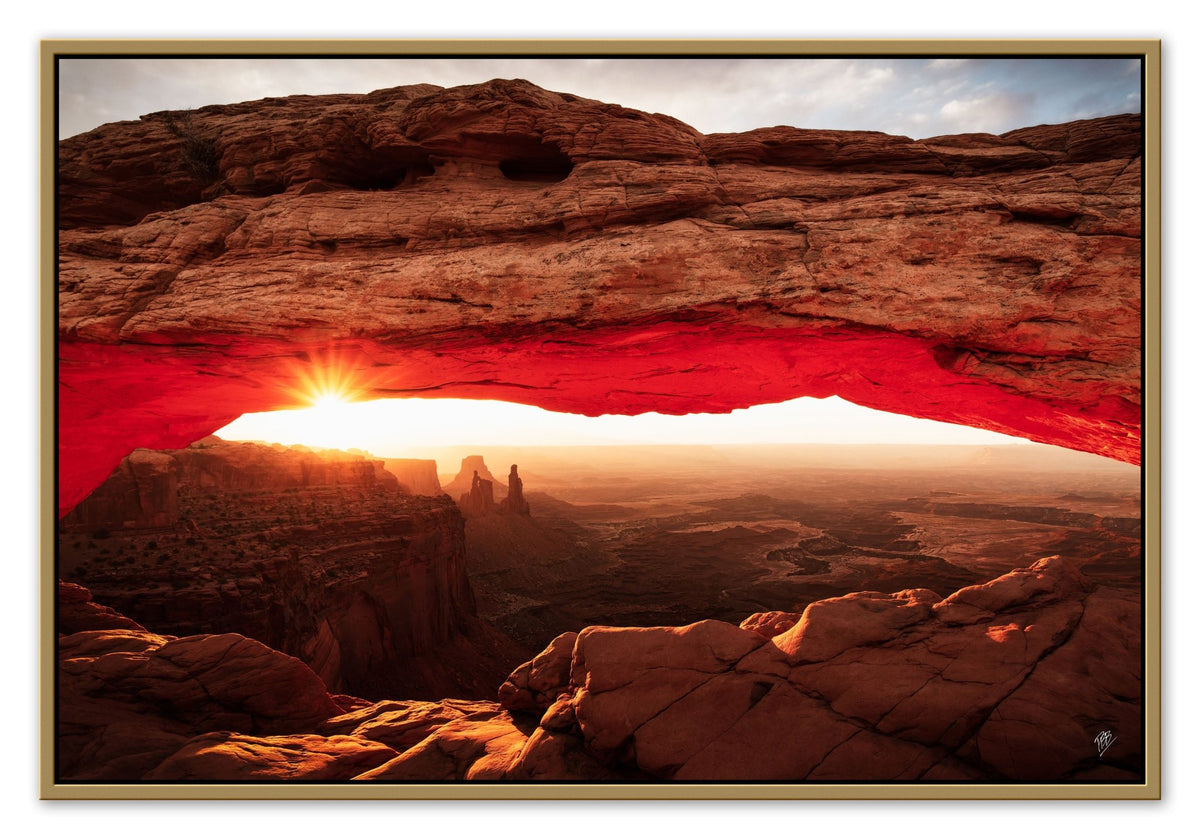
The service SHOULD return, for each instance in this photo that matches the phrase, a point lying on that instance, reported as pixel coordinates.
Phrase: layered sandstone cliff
(417, 476)
(317, 554)
(143, 492)
(503, 241)
(472, 466)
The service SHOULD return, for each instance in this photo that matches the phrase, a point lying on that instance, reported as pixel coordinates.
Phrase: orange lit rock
(502, 241)
(1018, 693)
(128, 699)
(295, 757)
(419, 477)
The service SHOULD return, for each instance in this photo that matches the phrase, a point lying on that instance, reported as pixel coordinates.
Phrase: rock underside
(1010, 680)
(506, 242)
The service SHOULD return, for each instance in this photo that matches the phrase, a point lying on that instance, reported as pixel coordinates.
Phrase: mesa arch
(507, 242)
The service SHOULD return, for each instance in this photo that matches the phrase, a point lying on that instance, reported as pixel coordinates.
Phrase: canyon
(690, 605)
(318, 554)
(237, 612)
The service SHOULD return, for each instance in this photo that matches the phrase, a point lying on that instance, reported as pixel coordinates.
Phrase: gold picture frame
(1149, 52)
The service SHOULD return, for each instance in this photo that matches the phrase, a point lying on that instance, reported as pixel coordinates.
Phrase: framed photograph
(601, 419)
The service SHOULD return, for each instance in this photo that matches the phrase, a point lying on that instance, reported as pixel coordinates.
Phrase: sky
(394, 427)
(916, 97)
(913, 97)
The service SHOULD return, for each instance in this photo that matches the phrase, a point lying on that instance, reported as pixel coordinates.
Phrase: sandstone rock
(417, 476)
(226, 756)
(829, 627)
(625, 685)
(892, 691)
(503, 241)
(1016, 688)
(143, 492)
(479, 500)
(403, 724)
(514, 502)
(553, 756)
(459, 750)
(536, 684)
(77, 613)
(602, 652)
(313, 553)
(472, 465)
(1049, 577)
(770, 624)
(1089, 685)
(129, 699)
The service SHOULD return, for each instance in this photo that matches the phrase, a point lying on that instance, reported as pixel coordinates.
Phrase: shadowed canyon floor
(674, 535)
(632, 576)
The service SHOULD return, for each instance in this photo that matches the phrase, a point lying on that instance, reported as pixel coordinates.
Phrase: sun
(326, 379)
(329, 400)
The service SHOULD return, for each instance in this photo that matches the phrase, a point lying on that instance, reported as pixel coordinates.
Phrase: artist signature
(1103, 740)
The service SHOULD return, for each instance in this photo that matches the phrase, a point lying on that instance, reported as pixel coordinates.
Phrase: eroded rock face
(417, 476)
(473, 466)
(503, 241)
(1010, 680)
(867, 686)
(319, 554)
(143, 492)
(128, 699)
(478, 501)
(514, 501)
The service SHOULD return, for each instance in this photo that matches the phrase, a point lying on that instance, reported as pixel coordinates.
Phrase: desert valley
(385, 593)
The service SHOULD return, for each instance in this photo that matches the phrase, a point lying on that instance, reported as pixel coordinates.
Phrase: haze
(394, 427)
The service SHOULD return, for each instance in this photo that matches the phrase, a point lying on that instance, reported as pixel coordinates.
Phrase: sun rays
(327, 379)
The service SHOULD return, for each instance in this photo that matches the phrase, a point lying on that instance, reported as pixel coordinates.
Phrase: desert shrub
(200, 154)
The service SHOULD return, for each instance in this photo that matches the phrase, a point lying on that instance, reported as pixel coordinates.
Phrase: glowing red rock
(501, 241)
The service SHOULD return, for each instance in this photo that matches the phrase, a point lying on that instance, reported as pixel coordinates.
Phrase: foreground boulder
(1016, 679)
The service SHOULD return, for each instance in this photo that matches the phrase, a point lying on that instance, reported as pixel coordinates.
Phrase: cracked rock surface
(1010, 680)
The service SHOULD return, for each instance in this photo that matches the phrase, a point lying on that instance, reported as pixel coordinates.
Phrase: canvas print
(502, 422)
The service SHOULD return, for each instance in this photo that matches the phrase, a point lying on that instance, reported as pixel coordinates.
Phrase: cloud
(993, 113)
(907, 96)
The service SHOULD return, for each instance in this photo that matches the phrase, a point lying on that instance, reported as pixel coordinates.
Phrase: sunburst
(327, 378)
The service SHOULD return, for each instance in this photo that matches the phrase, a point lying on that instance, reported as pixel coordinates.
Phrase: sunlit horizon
(396, 427)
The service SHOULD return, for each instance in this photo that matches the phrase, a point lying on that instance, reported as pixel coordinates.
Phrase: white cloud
(711, 94)
(993, 113)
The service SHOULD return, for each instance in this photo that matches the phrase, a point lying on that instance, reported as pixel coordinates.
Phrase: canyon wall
(502, 241)
(144, 489)
(317, 554)
(419, 477)
(464, 481)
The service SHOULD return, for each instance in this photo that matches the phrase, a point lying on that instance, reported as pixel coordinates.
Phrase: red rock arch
(992, 281)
